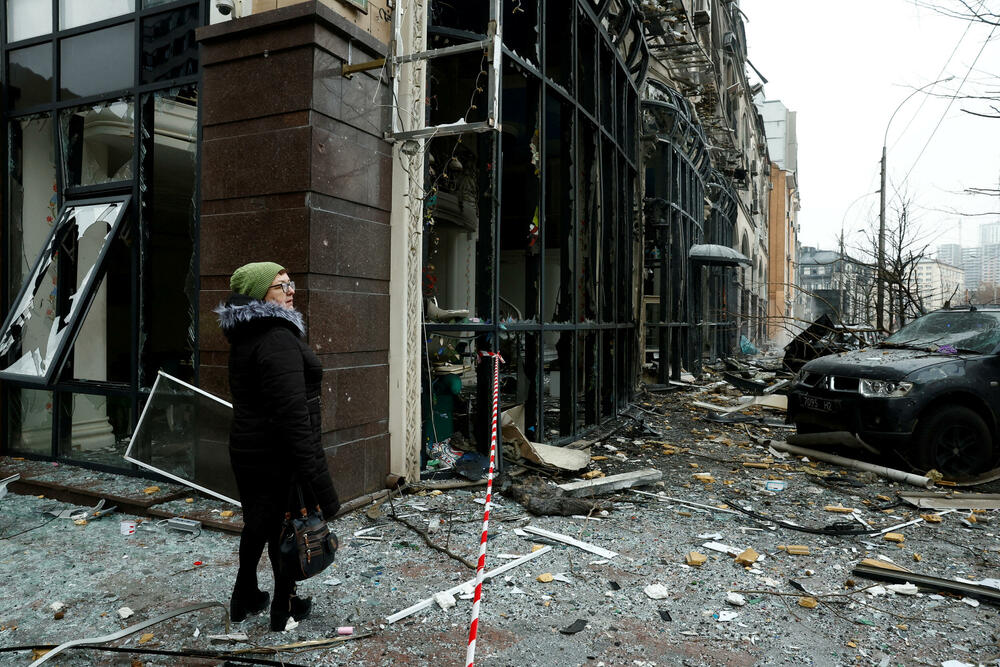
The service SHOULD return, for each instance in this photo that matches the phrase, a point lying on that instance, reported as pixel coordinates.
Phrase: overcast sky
(844, 67)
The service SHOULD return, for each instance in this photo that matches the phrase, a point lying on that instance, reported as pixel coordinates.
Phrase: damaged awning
(718, 255)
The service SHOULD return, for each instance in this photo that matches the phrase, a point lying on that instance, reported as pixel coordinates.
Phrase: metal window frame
(85, 292)
(148, 466)
(63, 391)
(619, 148)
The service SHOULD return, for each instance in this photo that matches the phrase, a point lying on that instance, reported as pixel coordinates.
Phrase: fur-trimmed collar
(239, 310)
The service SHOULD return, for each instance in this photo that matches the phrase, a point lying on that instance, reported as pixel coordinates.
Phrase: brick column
(295, 170)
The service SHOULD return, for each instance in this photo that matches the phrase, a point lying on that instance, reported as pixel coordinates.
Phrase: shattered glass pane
(97, 143)
(168, 155)
(183, 433)
(29, 421)
(99, 427)
(34, 336)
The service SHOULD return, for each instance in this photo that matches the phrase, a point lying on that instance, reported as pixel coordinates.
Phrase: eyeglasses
(285, 287)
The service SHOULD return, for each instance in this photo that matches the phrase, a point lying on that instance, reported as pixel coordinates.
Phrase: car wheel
(955, 441)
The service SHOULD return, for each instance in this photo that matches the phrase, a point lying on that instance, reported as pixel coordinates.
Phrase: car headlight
(883, 389)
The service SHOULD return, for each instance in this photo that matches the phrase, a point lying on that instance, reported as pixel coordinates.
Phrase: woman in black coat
(274, 442)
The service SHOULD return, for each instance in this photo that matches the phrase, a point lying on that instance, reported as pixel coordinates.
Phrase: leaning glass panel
(30, 76)
(29, 421)
(28, 18)
(99, 427)
(46, 313)
(73, 13)
(113, 48)
(97, 144)
(183, 433)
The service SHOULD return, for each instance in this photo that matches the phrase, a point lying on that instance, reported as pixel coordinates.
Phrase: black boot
(294, 607)
(242, 604)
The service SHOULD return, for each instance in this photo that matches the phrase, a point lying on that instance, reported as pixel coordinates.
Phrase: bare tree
(905, 247)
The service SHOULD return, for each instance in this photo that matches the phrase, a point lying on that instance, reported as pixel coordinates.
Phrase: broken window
(47, 313)
(168, 275)
(183, 434)
(95, 427)
(97, 144)
(29, 420)
(553, 224)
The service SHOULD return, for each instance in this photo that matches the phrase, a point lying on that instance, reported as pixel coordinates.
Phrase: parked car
(930, 391)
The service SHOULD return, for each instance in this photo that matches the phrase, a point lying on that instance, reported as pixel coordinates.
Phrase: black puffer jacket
(275, 382)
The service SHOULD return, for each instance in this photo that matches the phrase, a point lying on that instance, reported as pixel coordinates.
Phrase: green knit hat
(255, 278)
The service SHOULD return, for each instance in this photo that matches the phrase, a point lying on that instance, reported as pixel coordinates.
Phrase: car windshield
(964, 331)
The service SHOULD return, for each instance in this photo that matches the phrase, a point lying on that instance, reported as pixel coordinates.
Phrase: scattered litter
(736, 599)
(445, 600)
(124, 613)
(145, 638)
(332, 581)
(775, 485)
(345, 630)
(724, 616)
(423, 604)
(577, 625)
(150, 490)
(903, 589)
(665, 615)
(291, 624)
(808, 602)
(656, 591)
(696, 559)
(971, 602)
(232, 636)
(710, 536)
(566, 539)
(748, 557)
(794, 549)
(545, 577)
(722, 548)
(57, 606)
(898, 538)
(613, 483)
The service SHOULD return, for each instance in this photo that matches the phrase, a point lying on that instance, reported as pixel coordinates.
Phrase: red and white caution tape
(470, 655)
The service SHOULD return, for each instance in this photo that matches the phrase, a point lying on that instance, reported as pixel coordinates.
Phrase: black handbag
(307, 546)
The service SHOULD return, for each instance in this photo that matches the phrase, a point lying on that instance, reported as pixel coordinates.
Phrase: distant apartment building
(980, 265)
(783, 209)
(989, 233)
(836, 285)
(938, 283)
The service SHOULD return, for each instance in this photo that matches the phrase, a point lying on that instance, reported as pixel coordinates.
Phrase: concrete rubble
(728, 567)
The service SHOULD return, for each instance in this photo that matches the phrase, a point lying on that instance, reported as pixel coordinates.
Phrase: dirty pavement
(689, 536)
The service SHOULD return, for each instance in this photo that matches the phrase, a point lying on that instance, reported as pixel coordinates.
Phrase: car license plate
(821, 404)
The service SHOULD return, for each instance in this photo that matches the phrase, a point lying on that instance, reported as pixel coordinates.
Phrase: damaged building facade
(579, 186)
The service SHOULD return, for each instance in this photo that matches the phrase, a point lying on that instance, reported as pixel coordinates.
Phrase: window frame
(85, 293)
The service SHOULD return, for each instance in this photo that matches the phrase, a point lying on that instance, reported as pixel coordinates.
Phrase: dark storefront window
(528, 239)
(101, 118)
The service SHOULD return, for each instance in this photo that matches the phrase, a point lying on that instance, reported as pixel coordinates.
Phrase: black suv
(931, 392)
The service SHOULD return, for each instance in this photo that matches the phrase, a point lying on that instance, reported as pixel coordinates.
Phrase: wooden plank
(613, 483)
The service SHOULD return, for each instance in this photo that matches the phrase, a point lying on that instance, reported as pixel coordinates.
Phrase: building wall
(375, 18)
(295, 169)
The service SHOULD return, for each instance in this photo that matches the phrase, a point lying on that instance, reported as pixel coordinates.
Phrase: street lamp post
(880, 271)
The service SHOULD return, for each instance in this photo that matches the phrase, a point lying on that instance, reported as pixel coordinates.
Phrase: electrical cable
(27, 530)
(951, 101)
(940, 74)
(185, 653)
